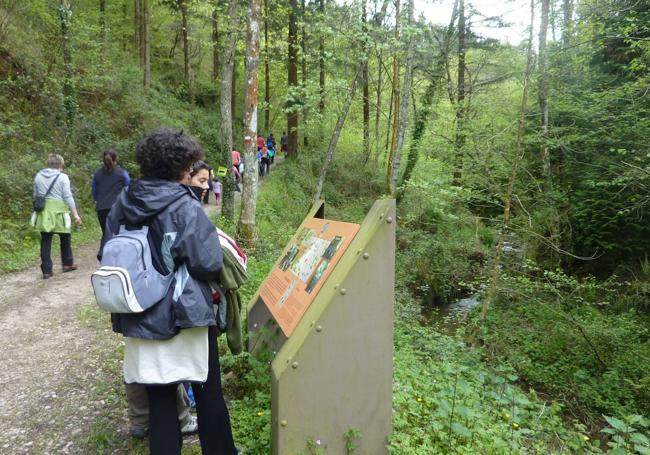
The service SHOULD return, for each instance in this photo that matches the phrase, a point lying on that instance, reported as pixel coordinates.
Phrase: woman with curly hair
(175, 340)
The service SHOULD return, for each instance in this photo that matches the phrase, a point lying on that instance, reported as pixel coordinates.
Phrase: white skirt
(181, 358)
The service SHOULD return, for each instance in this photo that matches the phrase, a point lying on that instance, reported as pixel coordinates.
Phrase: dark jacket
(168, 208)
(107, 185)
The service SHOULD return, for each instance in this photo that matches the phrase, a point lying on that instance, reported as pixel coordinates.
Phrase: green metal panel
(334, 373)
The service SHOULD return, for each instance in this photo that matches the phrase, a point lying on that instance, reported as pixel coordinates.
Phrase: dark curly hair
(166, 154)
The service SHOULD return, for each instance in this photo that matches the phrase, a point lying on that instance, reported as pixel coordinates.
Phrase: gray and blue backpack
(127, 281)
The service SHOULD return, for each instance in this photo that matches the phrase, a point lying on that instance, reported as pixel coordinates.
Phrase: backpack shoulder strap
(49, 190)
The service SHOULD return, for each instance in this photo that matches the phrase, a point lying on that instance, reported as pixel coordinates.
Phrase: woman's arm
(67, 197)
(93, 188)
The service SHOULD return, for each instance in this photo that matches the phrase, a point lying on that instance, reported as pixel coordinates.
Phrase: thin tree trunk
(227, 64)
(186, 44)
(246, 225)
(292, 76)
(303, 41)
(267, 71)
(216, 66)
(389, 120)
(474, 332)
(233, 89)
(321, 62)
(366, 98)
(69, 104)
(146, 47)
(543, 94)
(125, 30)
(137, 31)
(344, 113)
(461, 110)
(396, 105)
(404, 107)
(567, 27)
(377, 106)
(422, 116)
(103, 27)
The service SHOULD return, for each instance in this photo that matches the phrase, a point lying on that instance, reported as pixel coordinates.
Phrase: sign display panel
(312, 255)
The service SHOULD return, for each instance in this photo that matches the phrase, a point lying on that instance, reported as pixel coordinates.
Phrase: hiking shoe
(191, 427)
(47, 275)
(69, 268)
(138, 433)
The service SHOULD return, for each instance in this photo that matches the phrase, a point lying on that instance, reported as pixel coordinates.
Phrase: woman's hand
(77, 218)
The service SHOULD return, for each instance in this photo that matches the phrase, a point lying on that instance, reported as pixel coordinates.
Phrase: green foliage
(561, 335)
(351, 440)
(446, 400)
(628, 435)
(441, 245)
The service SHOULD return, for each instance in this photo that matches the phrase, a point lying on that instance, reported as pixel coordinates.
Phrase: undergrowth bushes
(560, 334)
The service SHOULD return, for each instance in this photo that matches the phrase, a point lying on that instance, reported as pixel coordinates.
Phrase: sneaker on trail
(191, 427)
(138, 433)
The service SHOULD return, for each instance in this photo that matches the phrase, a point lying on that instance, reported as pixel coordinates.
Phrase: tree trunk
(396, 105)
(366, 99)
(389, 120)
(292, 73)
(461, 111)
(344, 113)
(303, 61)
(543, 93)
(422, 116)
(216, 67)
(246, 225)
(377, 105)
(69, 103)
(146, 46)
(103, 27)
(567, 27)
(474, 332)
(227, 64)
(137, 31)
(267, 71)
(404, 106)
(321, 62)
(233, 88)
(125, 30)
(187, 76)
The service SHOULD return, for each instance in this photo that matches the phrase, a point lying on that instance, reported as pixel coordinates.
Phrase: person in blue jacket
(108, 181)
(174, 341)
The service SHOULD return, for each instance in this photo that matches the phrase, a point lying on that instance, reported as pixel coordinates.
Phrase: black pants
(101, 216)
(206, 198)
(46, 250)
(215, 433)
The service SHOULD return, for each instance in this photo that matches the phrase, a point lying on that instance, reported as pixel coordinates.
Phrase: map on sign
(305, 266)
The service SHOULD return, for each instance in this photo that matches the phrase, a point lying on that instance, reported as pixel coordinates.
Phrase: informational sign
(305, 266)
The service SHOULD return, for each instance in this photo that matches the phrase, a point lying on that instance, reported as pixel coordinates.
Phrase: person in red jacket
(261, 142)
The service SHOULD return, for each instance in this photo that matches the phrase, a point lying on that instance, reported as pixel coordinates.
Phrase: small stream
(450, 316)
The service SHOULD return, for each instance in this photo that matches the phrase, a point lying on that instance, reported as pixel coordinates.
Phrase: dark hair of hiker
(166, 154)
(196, 167)
(110, 159)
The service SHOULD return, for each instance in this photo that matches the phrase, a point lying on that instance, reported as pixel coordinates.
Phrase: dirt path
(50, 359)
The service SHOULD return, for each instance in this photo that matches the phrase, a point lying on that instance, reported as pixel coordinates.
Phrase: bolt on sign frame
(332, 371)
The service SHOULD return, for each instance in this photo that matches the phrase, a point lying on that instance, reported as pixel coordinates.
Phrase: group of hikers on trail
(169, 277)
(266, 152)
